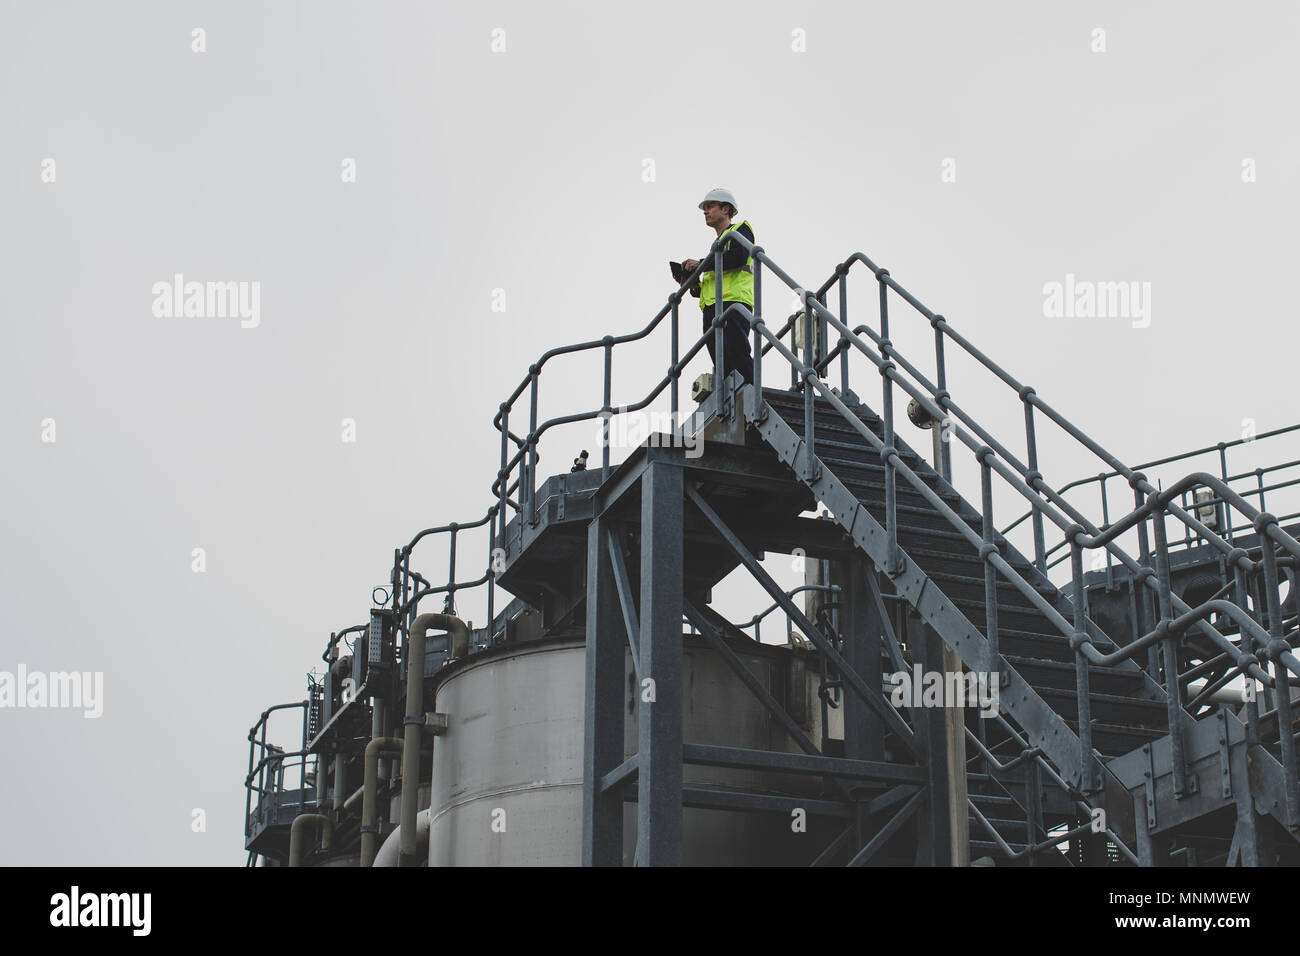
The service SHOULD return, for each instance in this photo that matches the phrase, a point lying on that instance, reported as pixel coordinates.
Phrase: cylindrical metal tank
(507, 775)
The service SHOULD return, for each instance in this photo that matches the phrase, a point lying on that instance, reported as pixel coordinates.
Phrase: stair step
(1109, 709)
(967, 563)
(1046, 674)
(1115, 741)
(968, 587)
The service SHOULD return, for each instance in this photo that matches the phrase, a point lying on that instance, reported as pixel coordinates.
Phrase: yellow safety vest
(737, 284)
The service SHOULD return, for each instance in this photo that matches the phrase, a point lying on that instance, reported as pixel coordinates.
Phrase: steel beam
(873, 696)
(659, 730)
(602, 812)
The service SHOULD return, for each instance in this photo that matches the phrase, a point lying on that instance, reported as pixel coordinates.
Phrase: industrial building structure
(1144, 711)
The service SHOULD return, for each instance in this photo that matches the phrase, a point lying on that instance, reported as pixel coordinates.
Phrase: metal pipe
(300, 823)
(413, 725)
(370, 794)
(340, 781)
(388, 854)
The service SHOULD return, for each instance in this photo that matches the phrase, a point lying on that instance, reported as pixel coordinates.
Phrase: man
(719, 208)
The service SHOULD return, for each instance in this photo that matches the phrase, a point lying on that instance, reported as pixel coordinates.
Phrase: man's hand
(690, 265)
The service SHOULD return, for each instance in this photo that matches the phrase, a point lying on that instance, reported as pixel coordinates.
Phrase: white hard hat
(720, 195)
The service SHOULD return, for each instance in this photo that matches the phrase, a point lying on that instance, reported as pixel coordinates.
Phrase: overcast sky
(391, 175)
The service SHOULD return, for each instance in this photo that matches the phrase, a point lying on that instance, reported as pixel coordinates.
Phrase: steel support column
(862, 630)
(602, 812)
(934, 832)
(659, 730)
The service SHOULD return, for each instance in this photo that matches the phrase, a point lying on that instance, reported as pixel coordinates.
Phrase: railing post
(1105, 523)
(502, 477)
(532, 447)
(760, 411)
(888, 452)
(1034, 476)
(1088, 782)
(1277, 646)
(719, 338)
(677, 374)
(606, 409)
(809, 361)
(450, 602)
(1246, 646)
(1170, 646)
(941, 398)
(994, 663)
(1144, 609)
(1228, 512)
(844, 339)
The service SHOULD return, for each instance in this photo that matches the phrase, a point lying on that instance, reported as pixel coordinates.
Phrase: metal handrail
(1220, 447)
(937, 402)
(526, 457)
(257, 742)
(1024, 477)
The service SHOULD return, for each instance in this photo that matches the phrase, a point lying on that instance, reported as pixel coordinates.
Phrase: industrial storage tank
(507, 774)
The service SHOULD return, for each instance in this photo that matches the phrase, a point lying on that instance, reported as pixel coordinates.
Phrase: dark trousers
(736, 356)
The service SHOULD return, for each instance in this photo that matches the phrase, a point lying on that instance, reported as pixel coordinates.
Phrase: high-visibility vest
(737, 284)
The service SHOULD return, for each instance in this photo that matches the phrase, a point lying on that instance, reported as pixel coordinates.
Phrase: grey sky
(524, 170)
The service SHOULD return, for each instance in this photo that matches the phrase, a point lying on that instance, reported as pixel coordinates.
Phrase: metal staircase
(1101, 753)
(1079, 696)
